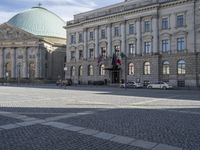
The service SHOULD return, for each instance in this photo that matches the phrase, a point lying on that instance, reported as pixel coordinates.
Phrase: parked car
(66, 82)
(159, 85)
(131, 84)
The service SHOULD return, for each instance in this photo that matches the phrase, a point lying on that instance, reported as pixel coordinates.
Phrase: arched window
(147, 68)
(181, 67)
(80, 71)
(131, 69)
(72, 70)
(166, 68)
(102, 70)
(90, 70)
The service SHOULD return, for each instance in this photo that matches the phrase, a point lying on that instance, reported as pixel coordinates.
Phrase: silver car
(131, 84)
(159, 85)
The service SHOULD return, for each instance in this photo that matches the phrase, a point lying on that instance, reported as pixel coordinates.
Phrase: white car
(159, 85)
(131, 84)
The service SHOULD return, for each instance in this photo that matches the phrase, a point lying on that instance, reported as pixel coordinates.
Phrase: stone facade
(26, 56)
(159, 38)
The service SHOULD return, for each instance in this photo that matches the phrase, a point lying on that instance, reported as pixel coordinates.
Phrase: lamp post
(19, 72)
(7, 75)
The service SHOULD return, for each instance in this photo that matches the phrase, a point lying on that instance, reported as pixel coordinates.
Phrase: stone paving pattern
(98, 118)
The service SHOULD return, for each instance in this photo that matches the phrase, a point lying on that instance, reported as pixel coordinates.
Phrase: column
(138, 29)
(85, 44)
(37, 63)
(123, 37)
(155, 34)
(109, 36)
(1, 64)
(96, 53)
(13, 63)
(25, 62)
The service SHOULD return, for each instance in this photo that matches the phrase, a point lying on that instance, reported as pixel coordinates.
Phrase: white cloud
(5, 16)
(63, 8)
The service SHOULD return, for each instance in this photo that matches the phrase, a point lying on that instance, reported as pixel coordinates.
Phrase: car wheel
(134, 87)
(164, 88)
(149, 87)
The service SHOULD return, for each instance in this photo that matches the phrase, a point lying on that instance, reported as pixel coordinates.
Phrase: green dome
(40, 21)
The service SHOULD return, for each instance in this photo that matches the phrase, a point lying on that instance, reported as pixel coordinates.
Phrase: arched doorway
(31, 70)
(8, 70)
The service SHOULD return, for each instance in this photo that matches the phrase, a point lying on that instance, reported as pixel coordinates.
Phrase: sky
(63, 8)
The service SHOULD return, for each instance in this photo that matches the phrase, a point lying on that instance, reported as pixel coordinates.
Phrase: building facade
(154, 40)
(32, 46)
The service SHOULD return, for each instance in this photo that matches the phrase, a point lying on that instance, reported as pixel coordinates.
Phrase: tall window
(73, 55)
(165, 23)
(103, 34)
(90, 70)
(117, 48)
(73, 39)
(102, 70)
(91, 36)
(72, 71)
(166, 68)
(131, 49)
(147, 26)
(181, 67)
(91, 53)
(80, 54)
(147, 47)
(180, 21)
(181, 44)
(131, 28)
(147, 68)
(103, 52)
(131, 69)
(80, 37)
(80, 71)
(165, 45)
(116, 31)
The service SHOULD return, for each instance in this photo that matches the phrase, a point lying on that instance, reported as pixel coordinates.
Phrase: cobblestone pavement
(98, 118)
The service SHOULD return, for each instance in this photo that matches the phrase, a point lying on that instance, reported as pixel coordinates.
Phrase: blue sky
(64, 8)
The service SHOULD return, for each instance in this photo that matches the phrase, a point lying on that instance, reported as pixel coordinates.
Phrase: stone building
(32, 46)
(160, 40)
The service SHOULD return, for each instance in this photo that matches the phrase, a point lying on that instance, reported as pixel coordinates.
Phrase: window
(117, 49)
(80, 54)
(165, 45)
(147, 26)
(90, 70)
(166, 68)
(180, 21)
(91, 53)
(103, 34)
(181, 67)
(147, 68)
(131, 69)
(181, 44)
(103, 52)
(147, 47)
(80, 39)
(131, 28)
(165, 23)
(131, 49)
(91, 36)
(72, 70)
(73, 55)
(73, 39)
(102, 70)
(116, 31)
(80, 71)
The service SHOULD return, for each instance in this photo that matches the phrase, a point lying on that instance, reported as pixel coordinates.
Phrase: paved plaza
(98, 118)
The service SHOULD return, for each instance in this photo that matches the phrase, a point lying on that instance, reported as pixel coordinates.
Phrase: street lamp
(7, 75)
